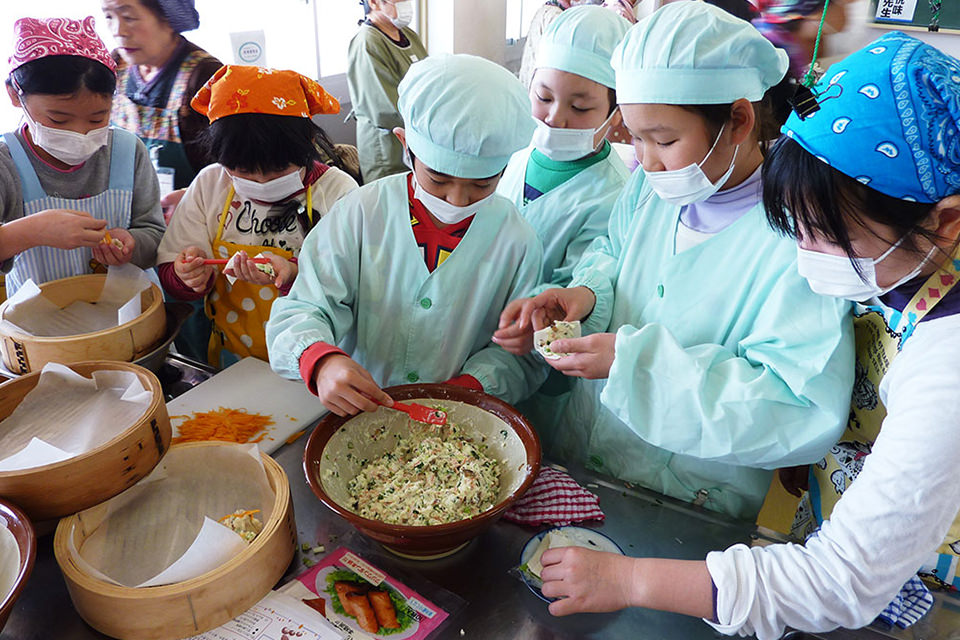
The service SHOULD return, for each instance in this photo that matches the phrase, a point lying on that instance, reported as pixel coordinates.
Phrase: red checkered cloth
(554, 498)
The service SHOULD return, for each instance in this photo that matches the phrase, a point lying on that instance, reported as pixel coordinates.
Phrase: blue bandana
(889, 117)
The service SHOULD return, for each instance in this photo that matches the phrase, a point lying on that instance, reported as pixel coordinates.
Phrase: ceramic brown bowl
(19, 525)
(338, 445)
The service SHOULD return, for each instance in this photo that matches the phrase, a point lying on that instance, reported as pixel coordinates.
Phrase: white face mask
(836, 276)
(690, 184)
(404, 14)
(564, 145)
(69, 147)
(274, 190)
(444, 211)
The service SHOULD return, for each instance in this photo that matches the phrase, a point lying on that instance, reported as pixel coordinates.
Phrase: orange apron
(239, 311)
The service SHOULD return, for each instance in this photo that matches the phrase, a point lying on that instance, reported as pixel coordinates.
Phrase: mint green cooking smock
(727, 365)
(363, 285)
(568, 217)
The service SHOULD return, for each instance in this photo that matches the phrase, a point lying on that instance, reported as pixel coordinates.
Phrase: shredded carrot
(106, 238)
(239, 515)
(230, 425)
(293, 437)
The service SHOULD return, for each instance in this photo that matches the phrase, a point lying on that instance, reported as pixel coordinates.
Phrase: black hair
(413, 159)
(63, 75)
(612, 97)
(803, 193)
(771, 112)
(267, 142)
(740, 8)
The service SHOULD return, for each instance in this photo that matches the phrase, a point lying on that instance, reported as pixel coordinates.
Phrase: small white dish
(584, 537)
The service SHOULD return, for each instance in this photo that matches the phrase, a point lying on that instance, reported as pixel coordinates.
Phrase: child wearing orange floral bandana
(253, 208)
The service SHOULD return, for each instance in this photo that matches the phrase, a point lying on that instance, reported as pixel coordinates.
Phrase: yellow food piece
(243, 523)
(108, 239)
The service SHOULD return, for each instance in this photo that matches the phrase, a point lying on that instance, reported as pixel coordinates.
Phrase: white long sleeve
(890, 520)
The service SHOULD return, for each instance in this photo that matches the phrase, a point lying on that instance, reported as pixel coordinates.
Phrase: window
(519, 15)
(308, 36)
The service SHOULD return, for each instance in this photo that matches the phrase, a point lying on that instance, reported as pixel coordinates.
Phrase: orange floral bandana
(237, 89)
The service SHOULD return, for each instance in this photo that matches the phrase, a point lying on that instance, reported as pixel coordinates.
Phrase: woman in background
(379, 56)
(158, 72)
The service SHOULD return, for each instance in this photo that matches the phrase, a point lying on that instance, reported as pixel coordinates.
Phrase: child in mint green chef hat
(566, 182)
(403, 280)
(711, 362)
(869, 186)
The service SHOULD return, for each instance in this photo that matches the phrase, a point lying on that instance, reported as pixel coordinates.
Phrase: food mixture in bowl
(433, 476)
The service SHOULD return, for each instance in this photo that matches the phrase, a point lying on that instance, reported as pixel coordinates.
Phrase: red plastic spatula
(421, 413)
(225, 261)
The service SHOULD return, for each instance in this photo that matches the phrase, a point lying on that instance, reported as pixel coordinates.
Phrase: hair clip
(804, 102)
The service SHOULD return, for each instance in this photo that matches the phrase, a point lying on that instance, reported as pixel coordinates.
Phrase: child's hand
(190, 269)
(589, 357)
(795, 480)
(109, 254)
(67, 229)
(522, 316)
(586, 580)
(244, 268)
(286, 270)
(346, 388)
(510, 335)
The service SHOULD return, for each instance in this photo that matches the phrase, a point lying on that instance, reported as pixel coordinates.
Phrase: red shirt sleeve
(466, 380)
(173, 285)
(310, 359)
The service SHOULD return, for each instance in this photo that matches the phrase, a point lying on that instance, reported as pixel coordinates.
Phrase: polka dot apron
(239, 311)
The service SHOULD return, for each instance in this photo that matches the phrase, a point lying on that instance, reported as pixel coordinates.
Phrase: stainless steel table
(498, 606)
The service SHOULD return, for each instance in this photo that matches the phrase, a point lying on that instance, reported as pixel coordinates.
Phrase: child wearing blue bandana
(869, 185)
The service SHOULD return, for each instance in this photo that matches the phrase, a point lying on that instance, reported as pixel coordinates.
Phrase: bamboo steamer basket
(23, 353)
(61, 488)
(194, 606)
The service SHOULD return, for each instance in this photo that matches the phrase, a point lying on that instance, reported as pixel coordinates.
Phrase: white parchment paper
(166, 528)
(70, 414)
(30, 312)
